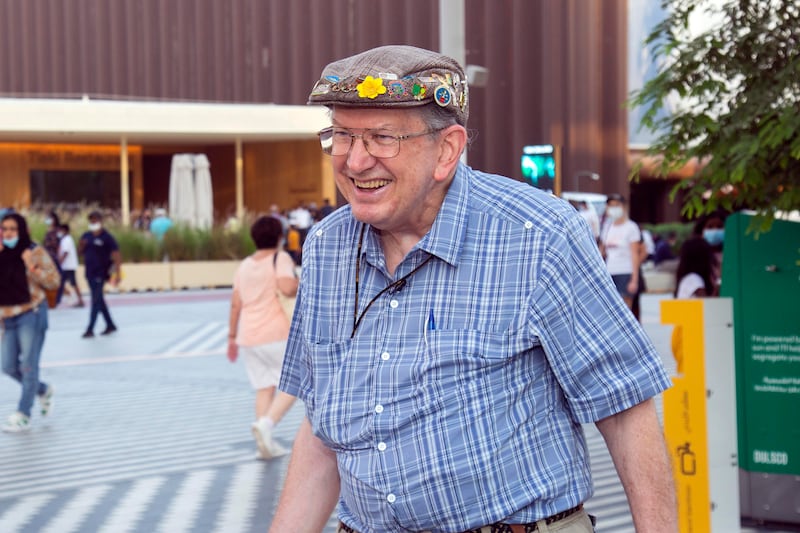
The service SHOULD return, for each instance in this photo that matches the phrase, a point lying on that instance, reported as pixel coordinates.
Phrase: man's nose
(358, 157)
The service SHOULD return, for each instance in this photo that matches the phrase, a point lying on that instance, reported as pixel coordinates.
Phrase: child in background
(68, 260)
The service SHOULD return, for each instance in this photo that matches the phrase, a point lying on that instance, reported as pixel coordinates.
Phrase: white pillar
(451, 30)
(239, 180)
(451, 37)
(124, 182)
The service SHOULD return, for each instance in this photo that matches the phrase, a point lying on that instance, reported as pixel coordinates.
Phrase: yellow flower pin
(370, 87)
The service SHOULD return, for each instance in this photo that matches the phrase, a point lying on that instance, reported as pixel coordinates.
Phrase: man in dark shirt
(102, 260)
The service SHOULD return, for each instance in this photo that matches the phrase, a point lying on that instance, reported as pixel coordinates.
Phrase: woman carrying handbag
(26, 271)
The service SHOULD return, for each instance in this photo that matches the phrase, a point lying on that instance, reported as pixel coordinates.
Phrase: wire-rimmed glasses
(378, 143)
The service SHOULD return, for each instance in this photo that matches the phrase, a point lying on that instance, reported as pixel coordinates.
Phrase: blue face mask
(10, 243)
(714, 237)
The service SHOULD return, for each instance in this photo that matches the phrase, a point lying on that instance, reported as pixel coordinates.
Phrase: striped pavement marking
(72, 515)
(126, 514)
(187, 502)
(19, 514)
(240, 501)
(199, 340)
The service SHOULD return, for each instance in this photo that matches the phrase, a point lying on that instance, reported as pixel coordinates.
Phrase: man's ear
(453, 142)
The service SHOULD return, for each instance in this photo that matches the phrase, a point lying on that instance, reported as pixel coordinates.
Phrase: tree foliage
(737, 88)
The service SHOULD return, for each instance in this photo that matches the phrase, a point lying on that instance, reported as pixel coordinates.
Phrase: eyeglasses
(378, 143)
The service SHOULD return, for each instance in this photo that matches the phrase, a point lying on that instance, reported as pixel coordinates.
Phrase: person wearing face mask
(622, 247)
(712, 229)
(25, 271)
(51, 240)
(102, 261)
(51, 243)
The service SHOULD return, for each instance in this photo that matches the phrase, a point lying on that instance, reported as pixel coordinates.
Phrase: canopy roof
(108, 121)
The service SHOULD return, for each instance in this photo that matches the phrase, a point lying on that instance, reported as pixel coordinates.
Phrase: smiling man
(453, 331)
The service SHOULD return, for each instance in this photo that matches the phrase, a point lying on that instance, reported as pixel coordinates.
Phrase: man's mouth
(371, 184)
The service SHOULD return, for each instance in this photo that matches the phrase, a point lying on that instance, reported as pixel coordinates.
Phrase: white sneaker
(46, 401)
(267, 447)
(17, 423)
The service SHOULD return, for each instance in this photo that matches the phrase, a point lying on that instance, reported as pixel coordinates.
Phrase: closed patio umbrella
(182, 189)
(203, 192)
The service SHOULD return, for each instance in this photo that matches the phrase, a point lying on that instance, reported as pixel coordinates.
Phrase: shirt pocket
(457, 366)
(339, 412)
(481, 345)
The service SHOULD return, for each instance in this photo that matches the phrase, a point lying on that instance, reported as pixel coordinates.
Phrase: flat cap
(395, 76)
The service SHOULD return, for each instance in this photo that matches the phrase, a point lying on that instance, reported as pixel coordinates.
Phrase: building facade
(556, 75)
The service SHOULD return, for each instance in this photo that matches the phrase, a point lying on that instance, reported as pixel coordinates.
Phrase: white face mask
(615, 212)
(95, 226)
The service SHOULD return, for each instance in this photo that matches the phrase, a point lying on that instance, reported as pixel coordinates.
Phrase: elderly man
(453, 331)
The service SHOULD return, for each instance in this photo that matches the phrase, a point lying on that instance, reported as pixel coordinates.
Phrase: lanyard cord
(394, 286)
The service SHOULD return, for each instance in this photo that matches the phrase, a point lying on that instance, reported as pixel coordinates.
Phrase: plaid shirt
(474, 418)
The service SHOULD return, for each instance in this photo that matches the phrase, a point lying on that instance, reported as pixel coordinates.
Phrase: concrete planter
(202, 274)
(169, 276)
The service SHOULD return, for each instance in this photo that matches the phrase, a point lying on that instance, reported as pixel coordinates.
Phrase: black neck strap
(392, 287)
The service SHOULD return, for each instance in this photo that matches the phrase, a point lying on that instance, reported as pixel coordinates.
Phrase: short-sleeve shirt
(618, 239)
(689, 284)
(262, 319)
(474, 416)
(67, 246)
(97, 254)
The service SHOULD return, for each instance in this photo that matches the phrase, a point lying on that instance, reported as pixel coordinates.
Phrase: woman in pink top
(259, 327)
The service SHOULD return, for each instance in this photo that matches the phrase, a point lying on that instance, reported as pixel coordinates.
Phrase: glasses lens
(381, 145)
(326, 140)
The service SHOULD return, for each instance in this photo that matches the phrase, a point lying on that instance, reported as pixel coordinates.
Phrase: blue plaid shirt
(474, 418)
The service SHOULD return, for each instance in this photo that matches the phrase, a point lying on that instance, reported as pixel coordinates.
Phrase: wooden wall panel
(286, 174)
(17, 160)
(556, 67)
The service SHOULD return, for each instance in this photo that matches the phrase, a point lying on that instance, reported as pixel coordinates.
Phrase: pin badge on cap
(442, 95)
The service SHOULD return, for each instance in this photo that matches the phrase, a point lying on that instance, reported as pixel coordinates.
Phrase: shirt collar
(446, 236)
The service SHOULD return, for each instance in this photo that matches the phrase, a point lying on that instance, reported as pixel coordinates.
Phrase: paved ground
(150, 431)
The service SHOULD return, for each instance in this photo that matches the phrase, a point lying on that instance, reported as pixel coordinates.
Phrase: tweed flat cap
(394, 76)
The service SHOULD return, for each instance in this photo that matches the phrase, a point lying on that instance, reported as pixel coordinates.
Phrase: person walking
(101, 259)
(68, 259)
(621, 243)
(258, 327)
(453, 331)
(25, 270)
(50, 243)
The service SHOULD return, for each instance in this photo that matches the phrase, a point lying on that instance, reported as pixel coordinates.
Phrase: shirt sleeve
(598, 352)
(46, 275)
(112, 242)
(284, 265)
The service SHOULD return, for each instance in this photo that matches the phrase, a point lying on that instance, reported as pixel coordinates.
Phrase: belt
(501, 527)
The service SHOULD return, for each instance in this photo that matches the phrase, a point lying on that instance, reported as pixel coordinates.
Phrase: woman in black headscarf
(26, 269)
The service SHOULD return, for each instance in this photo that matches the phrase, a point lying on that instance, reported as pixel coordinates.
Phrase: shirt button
(319, 232)
(385, 356)
(379, 408)
(391, 498)
(381, 446)
(393, 304)
(528, 224)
